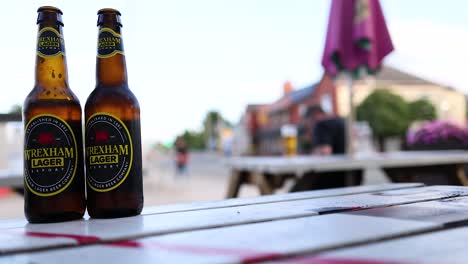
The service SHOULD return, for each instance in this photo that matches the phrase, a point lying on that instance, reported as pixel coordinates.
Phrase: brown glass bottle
(112, 133)
(53, 146)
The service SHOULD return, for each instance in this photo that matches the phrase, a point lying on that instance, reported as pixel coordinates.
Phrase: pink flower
(435, 132)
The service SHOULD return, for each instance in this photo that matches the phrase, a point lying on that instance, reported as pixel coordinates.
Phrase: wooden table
(356, 225)
(270, 173)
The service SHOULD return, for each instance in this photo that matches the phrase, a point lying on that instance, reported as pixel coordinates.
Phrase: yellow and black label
(50, 43)
(109, 43)
(109, 152)
(50, 155)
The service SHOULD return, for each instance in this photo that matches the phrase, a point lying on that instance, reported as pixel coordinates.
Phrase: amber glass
(52, 95)
(112, 96)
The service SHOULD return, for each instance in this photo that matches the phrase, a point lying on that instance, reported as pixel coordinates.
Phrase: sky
(187, 57)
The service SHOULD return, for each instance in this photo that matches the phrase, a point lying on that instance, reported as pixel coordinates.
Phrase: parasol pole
(350, 118)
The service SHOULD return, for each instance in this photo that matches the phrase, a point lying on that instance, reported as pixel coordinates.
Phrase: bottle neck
(51, 63)
(111, 68)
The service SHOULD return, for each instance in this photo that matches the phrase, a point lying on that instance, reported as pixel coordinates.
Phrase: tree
(421, 110)
(209, 136)
(194, 140)
(387, 114)
(212, 124)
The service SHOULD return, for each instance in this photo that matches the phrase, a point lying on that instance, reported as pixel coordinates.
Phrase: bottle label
(50, 155)
(109, 43)
(109, 152)
(50, 43)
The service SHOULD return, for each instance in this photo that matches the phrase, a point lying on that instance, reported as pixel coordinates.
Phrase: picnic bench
(270, 173)
(11, 176)
(348, 225)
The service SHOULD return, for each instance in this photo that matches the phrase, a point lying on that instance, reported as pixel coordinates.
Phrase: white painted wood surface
(302, 164)
(13, 241)
(13, 223)
(159, 224)
(449, 212)
(112, 255)
(437, 247)
(244, 243)
(183, 207)
(276, 198)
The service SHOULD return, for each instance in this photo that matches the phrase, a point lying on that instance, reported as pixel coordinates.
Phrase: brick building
(264, 122)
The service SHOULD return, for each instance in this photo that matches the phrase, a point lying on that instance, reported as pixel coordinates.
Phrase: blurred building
(252, 124)
(262, 123)
(290, 109)
(449, 103)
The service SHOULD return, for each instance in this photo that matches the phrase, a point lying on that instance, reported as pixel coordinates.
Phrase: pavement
(206, 179)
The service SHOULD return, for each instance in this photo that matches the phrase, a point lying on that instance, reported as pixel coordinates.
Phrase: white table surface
(450, 212)
(160, 224)
(249, 231)
(183, 207)
(444, 247)
(301, 164)
(276, 198)
(277, 238)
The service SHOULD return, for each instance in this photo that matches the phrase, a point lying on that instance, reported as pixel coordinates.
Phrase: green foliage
(210, 123)
(198, 140)
(387, 114)
(421, 110)
(390, 115)
(212, 126)
(194, 140)
(213, 117)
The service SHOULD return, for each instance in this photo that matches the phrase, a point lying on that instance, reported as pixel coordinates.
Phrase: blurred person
(329, 138)
(181, 155)
(227, 146)
(329, 133)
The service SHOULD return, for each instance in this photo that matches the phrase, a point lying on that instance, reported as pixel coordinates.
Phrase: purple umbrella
(357, 41)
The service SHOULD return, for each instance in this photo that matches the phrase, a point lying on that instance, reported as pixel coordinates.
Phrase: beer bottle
(112, 133)
(53, 145)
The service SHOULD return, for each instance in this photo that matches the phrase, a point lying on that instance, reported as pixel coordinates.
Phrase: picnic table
(270, 173)
(12, 178)
(381, 224)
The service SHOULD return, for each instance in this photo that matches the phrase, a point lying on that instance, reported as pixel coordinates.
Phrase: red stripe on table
(78, 238)
(319, 260)
(246, 256)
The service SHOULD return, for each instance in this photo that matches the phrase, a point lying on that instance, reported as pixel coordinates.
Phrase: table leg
(353, 178)
(263, 185)
(235, 181)
(460, 170)
(19, 190)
